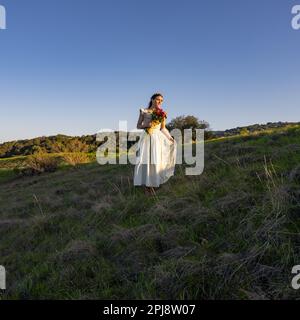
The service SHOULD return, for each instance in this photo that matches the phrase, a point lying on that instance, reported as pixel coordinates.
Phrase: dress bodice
(157, 126)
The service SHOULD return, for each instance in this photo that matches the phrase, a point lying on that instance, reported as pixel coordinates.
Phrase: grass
(87, 233)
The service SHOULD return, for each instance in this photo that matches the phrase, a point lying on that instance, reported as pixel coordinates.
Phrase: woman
(156, 150)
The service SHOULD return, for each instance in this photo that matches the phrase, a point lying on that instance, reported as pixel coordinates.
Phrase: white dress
(156, 158)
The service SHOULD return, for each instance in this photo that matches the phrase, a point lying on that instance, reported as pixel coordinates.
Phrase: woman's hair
(153, 97)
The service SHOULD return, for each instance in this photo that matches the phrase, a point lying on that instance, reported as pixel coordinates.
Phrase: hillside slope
(229, 233)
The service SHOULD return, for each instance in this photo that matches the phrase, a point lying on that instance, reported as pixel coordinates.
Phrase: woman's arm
(165, 131)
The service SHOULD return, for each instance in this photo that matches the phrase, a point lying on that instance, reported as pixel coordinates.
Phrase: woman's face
(157, 102)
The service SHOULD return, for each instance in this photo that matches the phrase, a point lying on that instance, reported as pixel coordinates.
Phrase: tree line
(61, 143)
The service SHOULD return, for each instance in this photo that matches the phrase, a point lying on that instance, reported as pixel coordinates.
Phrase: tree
(190, 122)
(75, 145)
(36, 149)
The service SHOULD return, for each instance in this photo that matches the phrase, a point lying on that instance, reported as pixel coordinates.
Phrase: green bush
(75, 158)
(39, 163)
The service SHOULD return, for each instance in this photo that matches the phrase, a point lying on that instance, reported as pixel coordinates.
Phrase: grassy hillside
(229, 233)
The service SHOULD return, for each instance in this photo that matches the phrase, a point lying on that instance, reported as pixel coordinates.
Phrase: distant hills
(252, 128)
(87, 143)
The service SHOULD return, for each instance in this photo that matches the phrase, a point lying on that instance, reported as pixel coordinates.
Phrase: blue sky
(75, 67)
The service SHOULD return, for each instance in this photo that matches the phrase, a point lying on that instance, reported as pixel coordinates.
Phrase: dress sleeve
(139, 124)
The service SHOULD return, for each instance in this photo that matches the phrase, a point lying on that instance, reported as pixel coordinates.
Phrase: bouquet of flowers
(158, 115)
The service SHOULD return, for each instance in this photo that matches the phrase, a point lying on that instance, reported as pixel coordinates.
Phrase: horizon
(75, 68)
(90, 134)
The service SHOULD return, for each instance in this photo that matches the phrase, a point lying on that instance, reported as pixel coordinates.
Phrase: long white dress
(156, 158)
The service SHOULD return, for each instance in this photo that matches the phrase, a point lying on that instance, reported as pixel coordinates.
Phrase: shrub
(75, 158)
(40, 162)
(244, 132)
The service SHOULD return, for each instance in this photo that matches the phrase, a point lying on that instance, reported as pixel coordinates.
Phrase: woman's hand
(172, 139)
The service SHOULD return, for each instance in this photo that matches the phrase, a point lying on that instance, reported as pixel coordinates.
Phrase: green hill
(230, 233)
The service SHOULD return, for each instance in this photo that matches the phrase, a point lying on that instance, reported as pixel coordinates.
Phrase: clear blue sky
(75, 67)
